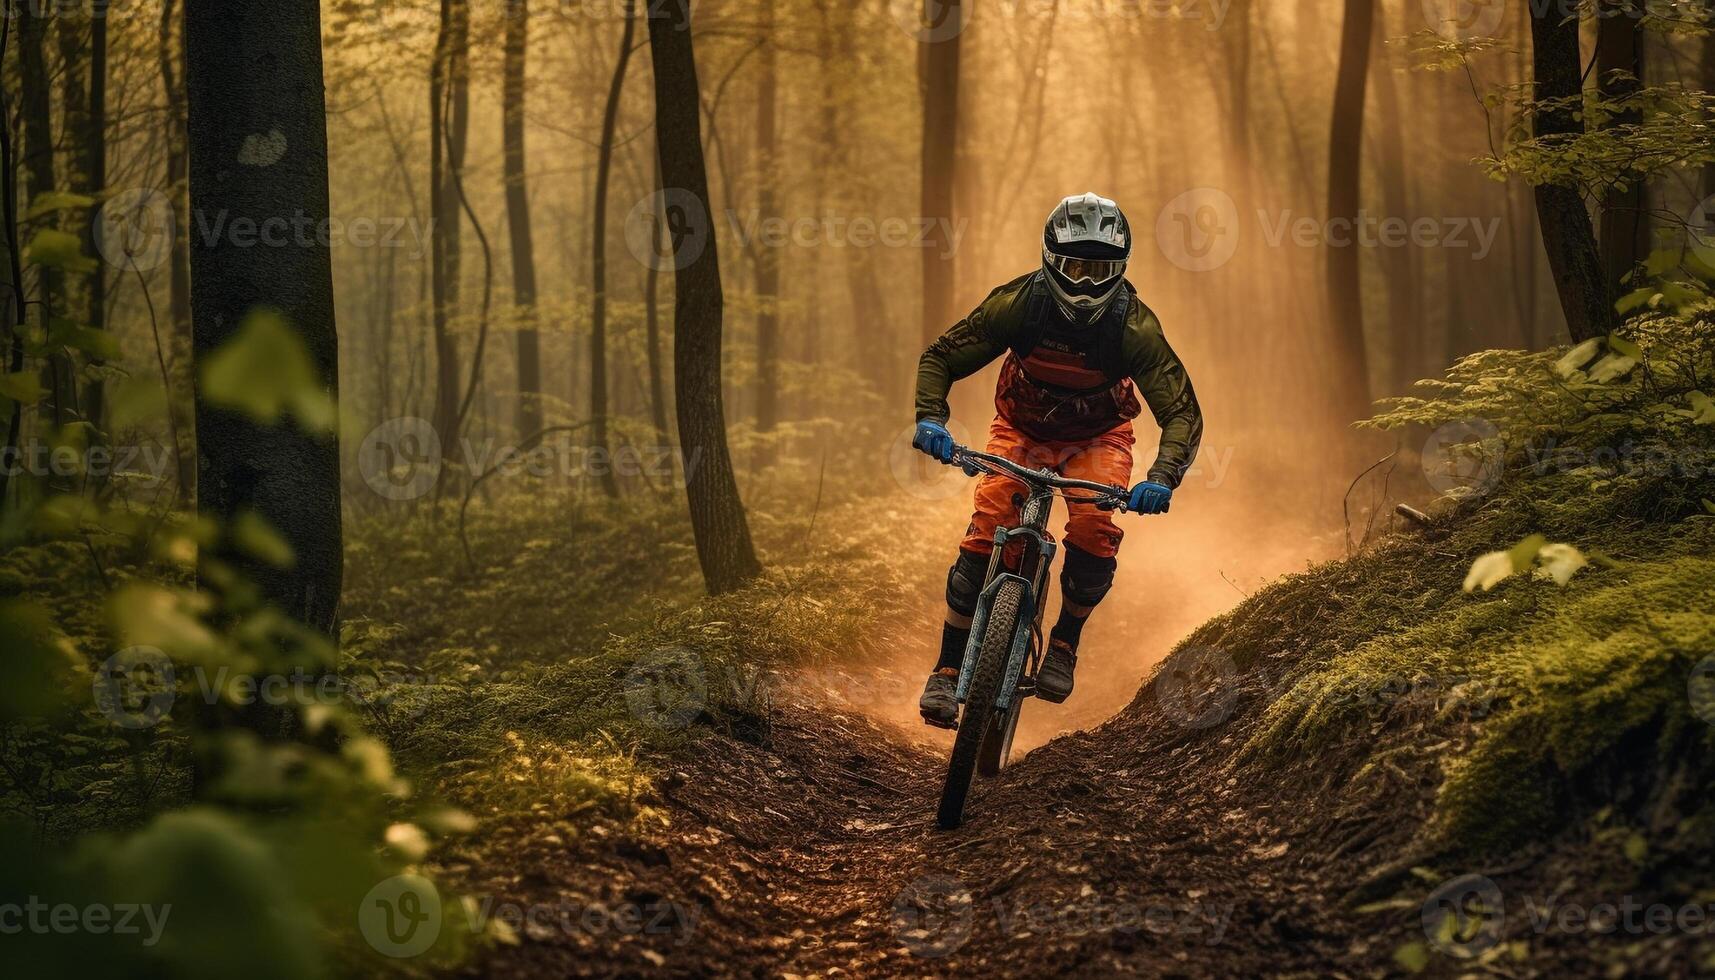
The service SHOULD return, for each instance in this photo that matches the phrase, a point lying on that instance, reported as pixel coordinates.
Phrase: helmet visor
(1080, 271)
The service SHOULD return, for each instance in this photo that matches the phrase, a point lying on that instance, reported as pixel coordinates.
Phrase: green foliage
(264, 370)
(56, 249)
(1514, 701)
(1674, 127)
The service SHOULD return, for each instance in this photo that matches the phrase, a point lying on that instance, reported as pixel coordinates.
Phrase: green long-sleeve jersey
(1129, 344)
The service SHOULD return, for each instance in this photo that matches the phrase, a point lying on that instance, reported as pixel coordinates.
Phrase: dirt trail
(813, 854)
(809, 849)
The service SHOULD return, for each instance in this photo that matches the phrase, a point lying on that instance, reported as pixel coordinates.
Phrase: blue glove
(934, 440)
(1150, 498)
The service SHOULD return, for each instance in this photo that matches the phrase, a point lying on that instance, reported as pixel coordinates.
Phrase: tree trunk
(1625, 228)
(529, 414)
(943, 20)
(74, 131)
(652, 320)
(767, 257)
(95, 152)
(1404, 300)
(178, 255)
(1345, 160)
(449, 100)
(36, 110)
(598, 263)
(12, 302)
(717, 515)
(253, 73)
(1566, 234)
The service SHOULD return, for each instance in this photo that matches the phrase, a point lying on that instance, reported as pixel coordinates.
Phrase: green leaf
(98, 344)
(1709, 505)
(1488, 571)
(264, 371)
(1624, 347)
(1524, 553)
(253, 535)
(41, 661)
(58, 250)
(1637, 849)
(24, 387)
(1412, 957)
(1577, 357)
(51, 201)
(1634, 299)
(1702, 407)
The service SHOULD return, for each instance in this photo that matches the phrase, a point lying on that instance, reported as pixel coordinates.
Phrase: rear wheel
(976, 724)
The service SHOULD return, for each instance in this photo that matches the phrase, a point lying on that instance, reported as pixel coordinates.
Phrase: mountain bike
(1005, 649)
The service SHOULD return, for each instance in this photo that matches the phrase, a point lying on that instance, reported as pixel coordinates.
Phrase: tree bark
(652, 320)
(717, 514)
(1345, 160)
(178, 253)
(1566, 233)
(36, 110)
(94, 396)
(1404, 300)
(1625, 229)
(940, 83)
(449, 101)
(598, 262)
(74, 131)
(529, 344)
(767, 257)
(258, 151)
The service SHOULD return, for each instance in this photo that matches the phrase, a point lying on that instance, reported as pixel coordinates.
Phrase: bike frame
(1036, 557)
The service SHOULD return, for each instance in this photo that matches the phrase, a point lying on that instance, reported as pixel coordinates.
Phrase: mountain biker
(1080, 348)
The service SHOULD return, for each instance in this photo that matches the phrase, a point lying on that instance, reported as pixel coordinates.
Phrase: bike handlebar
(971, 459)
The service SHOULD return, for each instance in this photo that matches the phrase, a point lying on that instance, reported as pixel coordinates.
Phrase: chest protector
(1058, 389)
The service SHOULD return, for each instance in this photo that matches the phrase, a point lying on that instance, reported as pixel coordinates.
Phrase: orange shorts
(1104, 459)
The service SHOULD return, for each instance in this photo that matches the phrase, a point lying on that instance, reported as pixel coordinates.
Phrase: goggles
(1092, 271)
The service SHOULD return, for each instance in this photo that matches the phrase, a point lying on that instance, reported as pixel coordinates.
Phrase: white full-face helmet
(1084, 250)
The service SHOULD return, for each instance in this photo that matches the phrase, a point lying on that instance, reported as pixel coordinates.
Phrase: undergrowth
(1537, 701)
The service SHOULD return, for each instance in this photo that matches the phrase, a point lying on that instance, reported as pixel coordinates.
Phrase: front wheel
(975, 725)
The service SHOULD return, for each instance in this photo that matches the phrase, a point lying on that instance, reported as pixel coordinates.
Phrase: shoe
(940, 702)
(1054, 678)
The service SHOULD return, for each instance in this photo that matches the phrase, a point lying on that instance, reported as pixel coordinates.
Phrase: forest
(472, 502)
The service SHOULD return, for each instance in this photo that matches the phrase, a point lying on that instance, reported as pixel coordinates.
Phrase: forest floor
(760, 805)
(1355, 769)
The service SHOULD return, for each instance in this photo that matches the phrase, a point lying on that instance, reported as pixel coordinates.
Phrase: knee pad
(1084, 578)
(965, 582)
